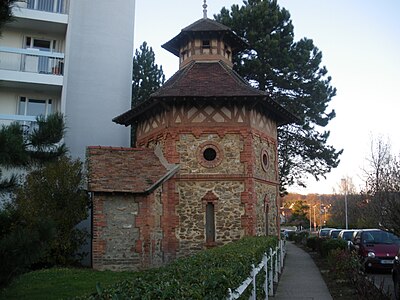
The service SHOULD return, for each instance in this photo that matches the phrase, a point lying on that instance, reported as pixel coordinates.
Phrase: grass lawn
(60, 283)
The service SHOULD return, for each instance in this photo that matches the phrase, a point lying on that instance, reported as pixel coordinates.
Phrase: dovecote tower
(219, 135)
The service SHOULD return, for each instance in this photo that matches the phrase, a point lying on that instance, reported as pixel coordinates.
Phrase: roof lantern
(205, 40)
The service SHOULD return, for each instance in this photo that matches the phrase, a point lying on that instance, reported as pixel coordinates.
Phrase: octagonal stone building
(205, 169)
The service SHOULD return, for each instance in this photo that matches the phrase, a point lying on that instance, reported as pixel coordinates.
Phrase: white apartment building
(73, 57)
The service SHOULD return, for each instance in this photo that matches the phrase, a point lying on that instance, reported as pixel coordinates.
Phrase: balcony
(52, 6)
(48, 16)
(31, 66)
(28, 123)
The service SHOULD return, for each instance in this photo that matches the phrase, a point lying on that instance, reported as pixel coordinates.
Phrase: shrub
(300, 237)
(343, 264)
(54, 192)
(22, 247)
(311, 242)
(290, 235)
(328, 245)
(206, 275)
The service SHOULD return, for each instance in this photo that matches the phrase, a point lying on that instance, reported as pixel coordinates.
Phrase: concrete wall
(98, 72)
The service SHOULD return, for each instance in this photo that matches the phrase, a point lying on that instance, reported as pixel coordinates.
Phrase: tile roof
(207, 79)
(205, 26)
(127, 170)
(201, 81)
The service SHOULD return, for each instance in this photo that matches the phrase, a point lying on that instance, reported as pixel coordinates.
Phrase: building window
(41, 64)
(206, 44)
(266, 219)
(209, 154)
(264, 160)
(46, 5)
(227, 53)
(34, 107)
(210, 223)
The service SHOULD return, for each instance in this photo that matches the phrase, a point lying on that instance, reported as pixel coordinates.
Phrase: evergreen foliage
(55, 193)
(5, 12)
(37, 224)
(147, 77)
(299, 214)
(290, 73)
(32, 148)
(205, 275)
(21, 246)
(12, 146)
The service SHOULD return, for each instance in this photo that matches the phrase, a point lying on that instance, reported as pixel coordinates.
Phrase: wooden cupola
(205, 40)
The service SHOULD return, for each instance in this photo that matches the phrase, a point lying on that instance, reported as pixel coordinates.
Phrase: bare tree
(382, 186)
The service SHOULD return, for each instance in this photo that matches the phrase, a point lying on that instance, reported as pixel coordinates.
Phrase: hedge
(206, 275)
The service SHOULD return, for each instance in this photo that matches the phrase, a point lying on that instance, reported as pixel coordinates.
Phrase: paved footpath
(301, 278)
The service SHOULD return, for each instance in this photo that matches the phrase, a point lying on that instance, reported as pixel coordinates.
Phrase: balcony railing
(54, 6)
(28, 123)
(31, 60)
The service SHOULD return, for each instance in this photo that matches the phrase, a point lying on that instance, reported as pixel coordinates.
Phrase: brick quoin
(169, 220)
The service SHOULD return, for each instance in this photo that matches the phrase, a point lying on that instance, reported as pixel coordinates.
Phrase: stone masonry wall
(115, 234)
(266, 195)
(229, 146)
(269, 146)
(191, 212)
(127, 231)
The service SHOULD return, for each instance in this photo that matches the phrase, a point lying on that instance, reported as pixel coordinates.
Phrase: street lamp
(344, 184)
(315, 220)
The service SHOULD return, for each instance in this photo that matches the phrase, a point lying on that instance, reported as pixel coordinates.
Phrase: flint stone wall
(230, 146)
(266, 195)
(191, 211)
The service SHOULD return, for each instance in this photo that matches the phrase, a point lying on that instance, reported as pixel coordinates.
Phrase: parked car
(346, 234)
(323, 233)
(334, 233)
(350, 244)
(396, 276)
(376, 247)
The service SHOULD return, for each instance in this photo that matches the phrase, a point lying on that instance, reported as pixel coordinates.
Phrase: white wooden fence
(272, 267)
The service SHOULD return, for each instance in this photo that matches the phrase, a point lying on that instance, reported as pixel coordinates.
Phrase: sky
(360, 43)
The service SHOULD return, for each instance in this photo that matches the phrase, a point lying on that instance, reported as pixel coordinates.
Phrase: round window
(209, 154)
(265, 159)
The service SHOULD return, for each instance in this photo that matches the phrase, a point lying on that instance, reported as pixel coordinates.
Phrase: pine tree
(147, 78)
(19, 149)
(5, 11)
(291, 74)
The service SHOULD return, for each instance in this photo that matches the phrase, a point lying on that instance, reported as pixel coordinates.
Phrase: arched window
(266, 211)
(210, 223)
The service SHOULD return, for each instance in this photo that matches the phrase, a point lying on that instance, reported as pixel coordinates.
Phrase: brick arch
(210, 197)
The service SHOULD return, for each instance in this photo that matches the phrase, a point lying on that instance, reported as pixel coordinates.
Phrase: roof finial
(205, 9)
